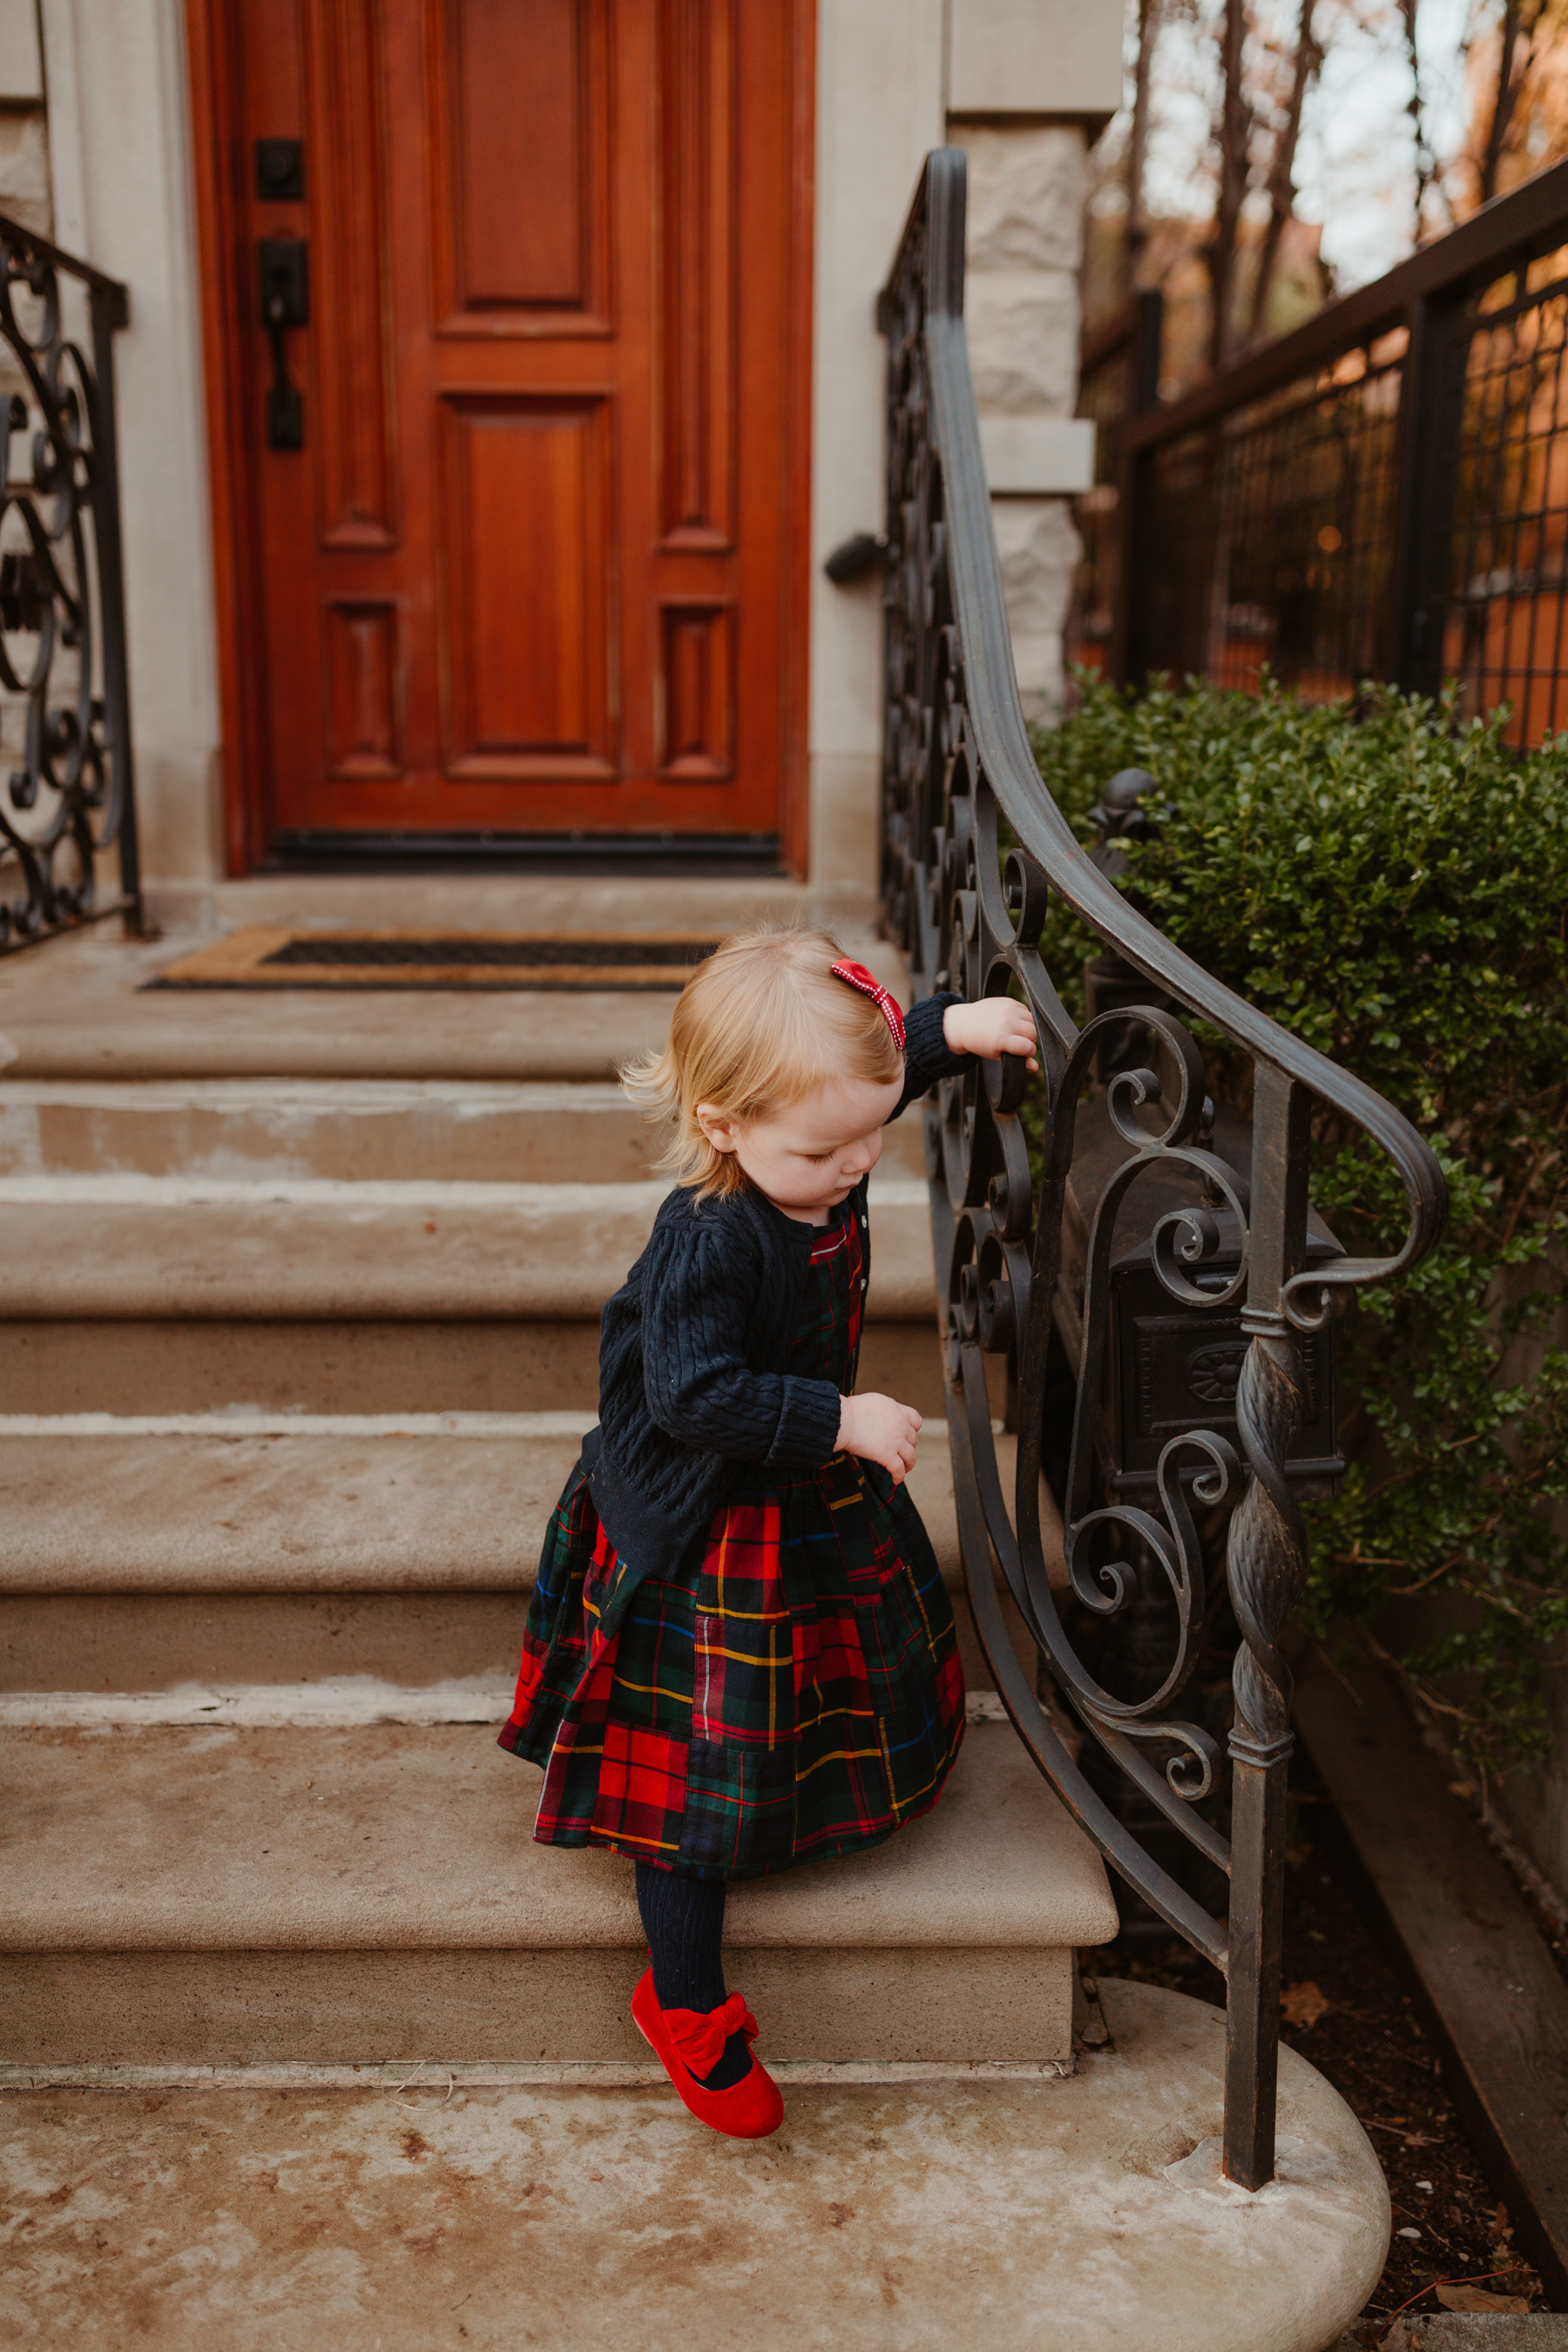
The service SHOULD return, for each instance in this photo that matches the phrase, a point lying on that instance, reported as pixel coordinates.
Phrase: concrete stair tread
(393, 1838)
(414, 1034)
(280, 2208)
(369, 1512)
(419, 1129)
(365, 1508)
(126, 1247)
(422, 1131)
(79, 1008)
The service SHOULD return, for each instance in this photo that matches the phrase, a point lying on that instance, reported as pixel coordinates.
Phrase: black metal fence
(1382, 494)
(1163, 1290)
(1118, 378)
(67, 813)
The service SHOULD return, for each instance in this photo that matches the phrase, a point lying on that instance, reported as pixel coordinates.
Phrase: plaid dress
(792, 1689)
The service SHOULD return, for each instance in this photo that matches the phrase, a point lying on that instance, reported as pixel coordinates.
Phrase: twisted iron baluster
(1266, 1565)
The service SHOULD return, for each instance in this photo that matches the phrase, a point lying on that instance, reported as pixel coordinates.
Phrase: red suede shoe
(690, 2041)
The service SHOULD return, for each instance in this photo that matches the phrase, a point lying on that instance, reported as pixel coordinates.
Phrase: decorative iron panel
(69, 800)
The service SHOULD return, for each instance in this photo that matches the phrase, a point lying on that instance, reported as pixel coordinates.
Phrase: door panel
(363, 729)
(521, 105)
(698, 340)
(539, 567)
(526, 619)
(346, 162)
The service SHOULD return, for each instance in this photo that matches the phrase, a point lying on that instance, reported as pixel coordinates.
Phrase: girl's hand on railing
(878, 1428)
(994, 1026)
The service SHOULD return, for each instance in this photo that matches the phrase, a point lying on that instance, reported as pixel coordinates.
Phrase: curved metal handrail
(956, 763)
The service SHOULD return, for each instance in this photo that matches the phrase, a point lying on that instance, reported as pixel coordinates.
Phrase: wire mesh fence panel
(1381, 495)
(1506, 638)
(1106, 393)
(1271, 538)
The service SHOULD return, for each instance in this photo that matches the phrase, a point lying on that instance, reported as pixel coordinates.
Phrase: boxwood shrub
(1392, 883)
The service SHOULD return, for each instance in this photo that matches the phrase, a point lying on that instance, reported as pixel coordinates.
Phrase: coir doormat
(268, 957)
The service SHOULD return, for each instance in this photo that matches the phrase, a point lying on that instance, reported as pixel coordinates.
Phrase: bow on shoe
(699, 2035)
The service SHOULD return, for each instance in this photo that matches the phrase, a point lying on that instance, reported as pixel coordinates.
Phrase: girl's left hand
(995, 1026)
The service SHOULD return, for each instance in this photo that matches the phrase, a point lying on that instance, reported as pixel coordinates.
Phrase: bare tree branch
(1427, 169)
(1520, 20)
(1138, 142)
(1235, 137)
(1281, 184)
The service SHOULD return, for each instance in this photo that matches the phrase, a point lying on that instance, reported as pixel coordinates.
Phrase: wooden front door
(536, 565)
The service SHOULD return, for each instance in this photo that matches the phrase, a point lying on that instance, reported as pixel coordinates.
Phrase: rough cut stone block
(1027, 191)
(1023, 341)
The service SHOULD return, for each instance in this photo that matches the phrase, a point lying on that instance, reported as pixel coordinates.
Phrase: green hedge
(1393, 885)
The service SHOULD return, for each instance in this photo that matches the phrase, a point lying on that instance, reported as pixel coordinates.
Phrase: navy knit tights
(683, 1919)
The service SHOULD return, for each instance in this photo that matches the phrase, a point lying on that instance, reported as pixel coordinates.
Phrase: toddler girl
(738, 1652)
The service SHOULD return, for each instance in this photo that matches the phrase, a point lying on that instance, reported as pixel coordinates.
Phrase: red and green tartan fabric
(793, 1691)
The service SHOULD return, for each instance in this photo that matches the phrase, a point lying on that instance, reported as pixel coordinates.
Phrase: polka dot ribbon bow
(856, 976)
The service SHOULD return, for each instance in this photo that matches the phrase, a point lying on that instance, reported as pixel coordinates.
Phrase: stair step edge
(219, 1840)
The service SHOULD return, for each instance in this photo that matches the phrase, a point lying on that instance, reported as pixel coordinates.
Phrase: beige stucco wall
(120, 165)
(881, 71)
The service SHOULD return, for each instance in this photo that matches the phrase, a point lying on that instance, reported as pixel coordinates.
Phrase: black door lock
(285, 302)
(281, 171)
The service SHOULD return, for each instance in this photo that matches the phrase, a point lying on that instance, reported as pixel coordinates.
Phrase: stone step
(103, 1033)
(410, 1367)
(233, 1554)
(228, 1897)
(420, 1131)
(85, 1007)
(605, 905)
(899, 2209)
(124, 1247)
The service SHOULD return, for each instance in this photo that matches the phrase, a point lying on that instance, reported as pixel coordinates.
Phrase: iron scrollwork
(956, 766)
(69, 797)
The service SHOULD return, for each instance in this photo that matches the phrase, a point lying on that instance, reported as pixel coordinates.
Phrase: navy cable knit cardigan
(692, 1351)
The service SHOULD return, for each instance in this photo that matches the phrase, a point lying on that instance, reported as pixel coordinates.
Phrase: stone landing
(889, 2215)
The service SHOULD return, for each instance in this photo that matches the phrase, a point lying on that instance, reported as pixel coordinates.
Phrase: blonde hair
(755, 1027)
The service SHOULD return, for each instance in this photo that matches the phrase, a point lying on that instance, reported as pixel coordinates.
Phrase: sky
(1354, 168)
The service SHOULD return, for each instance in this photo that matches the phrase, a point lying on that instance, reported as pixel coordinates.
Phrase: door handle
(285, 303)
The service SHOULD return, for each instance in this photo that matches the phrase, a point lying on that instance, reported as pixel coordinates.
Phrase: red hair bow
(856, 976)
(699, 2035)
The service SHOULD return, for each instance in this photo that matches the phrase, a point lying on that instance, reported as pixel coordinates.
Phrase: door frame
(226, 275)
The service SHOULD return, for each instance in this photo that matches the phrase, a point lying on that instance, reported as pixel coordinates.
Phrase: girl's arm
(928, 1056)
(941, 1032)
(697, 1301)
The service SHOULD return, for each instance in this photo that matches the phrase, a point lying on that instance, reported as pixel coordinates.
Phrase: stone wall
(24, 123)
(1027, 186)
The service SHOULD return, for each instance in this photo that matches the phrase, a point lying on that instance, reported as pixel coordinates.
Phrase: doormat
(270, 957)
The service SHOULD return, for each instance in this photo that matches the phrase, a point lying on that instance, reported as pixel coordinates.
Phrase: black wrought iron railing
(67, 811)
(1381, 494)
(1232, 1268)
